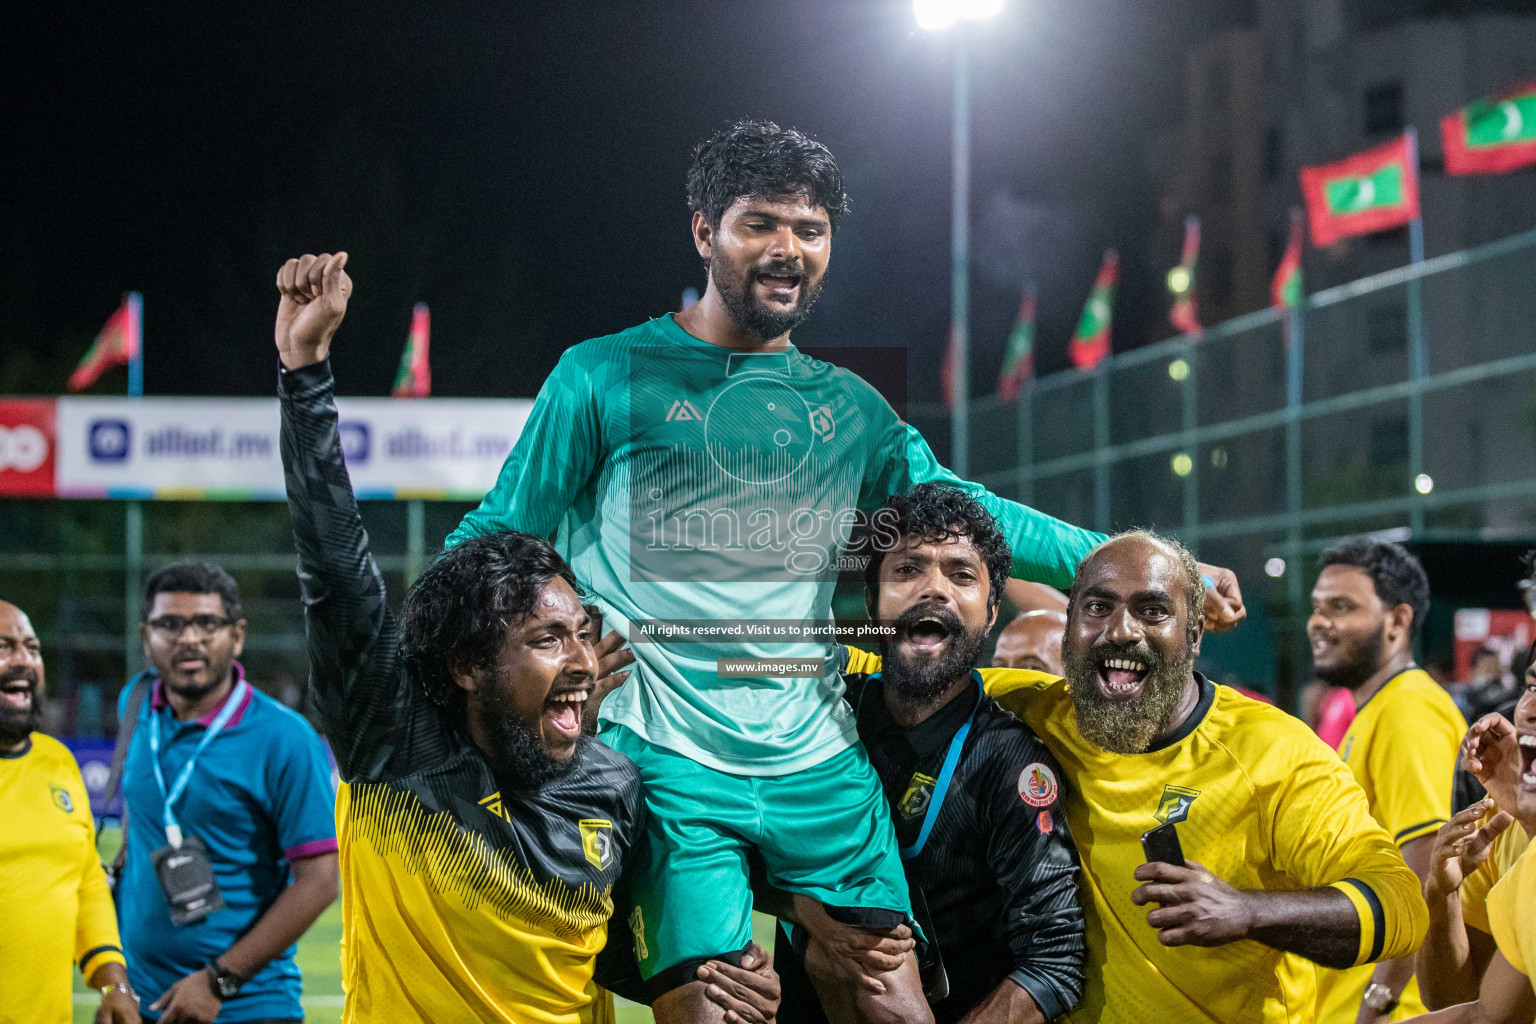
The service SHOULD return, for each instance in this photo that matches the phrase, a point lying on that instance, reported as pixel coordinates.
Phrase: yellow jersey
(1402, 749)
(55, 908)
(1512, 913)
(1261, 802)
(1506, 851)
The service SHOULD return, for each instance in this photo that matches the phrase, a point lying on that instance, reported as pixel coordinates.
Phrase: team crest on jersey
(62, 800)
(1174, 806)
(822, 423)
(492, 803)
(1037, 785)
(919, 792)
(597, 841)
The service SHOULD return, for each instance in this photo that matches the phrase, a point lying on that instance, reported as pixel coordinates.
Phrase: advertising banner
(227, 448)
(26, 447)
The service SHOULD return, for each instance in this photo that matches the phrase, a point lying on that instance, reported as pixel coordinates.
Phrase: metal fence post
(1418, 361)
(415, 538)
(1294, 333)
(1188, 395)
(1101, 516)
(133, 584)
(1026, 425)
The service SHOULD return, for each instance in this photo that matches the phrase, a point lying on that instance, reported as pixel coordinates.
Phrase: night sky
(519, 167)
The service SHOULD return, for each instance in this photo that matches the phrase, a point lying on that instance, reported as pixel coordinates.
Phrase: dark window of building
(1218, 176)
(1216, 277)
(1384, 108)
(1272, 152)
(1217, 85)
(1386, 328)
(1393, 237)
(1389, 440)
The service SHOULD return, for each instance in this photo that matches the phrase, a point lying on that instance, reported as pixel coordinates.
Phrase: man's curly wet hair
(456, 614)
(760, 160)
(934, 513)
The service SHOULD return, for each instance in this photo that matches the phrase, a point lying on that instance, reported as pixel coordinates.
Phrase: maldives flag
(1285, 290)
(1370, 191)
(947, 377)
(415, 377)
(116, 345)
(1019, 360)
(1181, 281)
(1493, 134)
(1091, 342)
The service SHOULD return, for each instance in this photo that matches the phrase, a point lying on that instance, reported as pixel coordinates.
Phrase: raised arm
(1454, 956)
(554, 456)
(1045, 549)
(372, 717)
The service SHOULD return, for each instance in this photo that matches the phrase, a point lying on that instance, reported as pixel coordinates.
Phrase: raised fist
(314, 292)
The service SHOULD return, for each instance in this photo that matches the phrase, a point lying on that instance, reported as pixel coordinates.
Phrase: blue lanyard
(941, 787)
(172, 827)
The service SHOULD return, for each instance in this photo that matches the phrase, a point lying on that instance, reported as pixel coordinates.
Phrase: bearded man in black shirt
(974, 795)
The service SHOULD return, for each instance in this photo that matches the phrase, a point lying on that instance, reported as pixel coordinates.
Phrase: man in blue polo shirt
(231, 834)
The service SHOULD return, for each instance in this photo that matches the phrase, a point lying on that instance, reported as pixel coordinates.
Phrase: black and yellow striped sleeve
(1324, 835)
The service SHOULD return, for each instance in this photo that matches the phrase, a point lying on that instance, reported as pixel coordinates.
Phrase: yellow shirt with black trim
(1261, 802)
(1512, 913)
(1507, 849)
(1401, 748)
(55, 908)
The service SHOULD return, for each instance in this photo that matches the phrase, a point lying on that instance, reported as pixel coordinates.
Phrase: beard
(521, 760)
(922, 681)
(1125, 727)
(734, 283)
(15, 725)
(1358, 661)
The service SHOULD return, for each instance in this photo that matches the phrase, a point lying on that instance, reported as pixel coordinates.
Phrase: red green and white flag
(415, 377)
(1370, 191)
(1493, 134)
(1181, 281)
(1091, 342)
(1285, 290)
(117, 344)
(1019, 360)
(947, 377)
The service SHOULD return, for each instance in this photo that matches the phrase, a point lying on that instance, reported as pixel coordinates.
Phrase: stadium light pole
(938, 16)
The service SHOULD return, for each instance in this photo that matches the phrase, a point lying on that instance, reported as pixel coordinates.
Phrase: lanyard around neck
(946, 773)
(179, 786)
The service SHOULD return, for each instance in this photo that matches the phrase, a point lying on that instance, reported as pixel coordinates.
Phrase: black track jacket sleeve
(379, 725)
(1037, 869)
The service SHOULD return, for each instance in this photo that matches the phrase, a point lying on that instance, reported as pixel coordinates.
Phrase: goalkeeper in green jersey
(700, 473)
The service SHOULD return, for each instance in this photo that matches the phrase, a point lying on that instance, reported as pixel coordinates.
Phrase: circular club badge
(1037, 785)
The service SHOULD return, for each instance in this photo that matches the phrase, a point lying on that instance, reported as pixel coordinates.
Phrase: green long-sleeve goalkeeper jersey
(686, 482)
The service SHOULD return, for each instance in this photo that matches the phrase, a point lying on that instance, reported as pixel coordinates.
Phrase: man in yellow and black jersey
(481, 833)
(1284, 861)
(1367, 606)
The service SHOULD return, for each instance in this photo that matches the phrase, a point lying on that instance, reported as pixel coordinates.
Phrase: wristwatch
(1379, 999)
(224, 982)
(120, 986)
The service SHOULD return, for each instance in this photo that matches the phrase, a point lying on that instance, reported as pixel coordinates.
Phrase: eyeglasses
(175, 625)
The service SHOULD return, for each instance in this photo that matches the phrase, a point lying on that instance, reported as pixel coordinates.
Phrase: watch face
(227, 986)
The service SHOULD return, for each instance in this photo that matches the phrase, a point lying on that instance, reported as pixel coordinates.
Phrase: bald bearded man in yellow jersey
(1284, 859)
